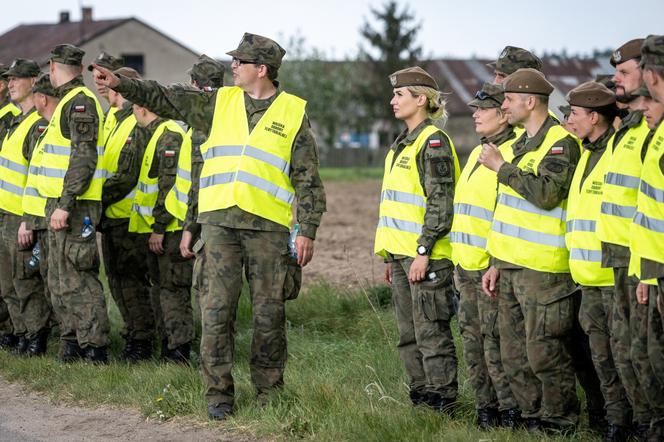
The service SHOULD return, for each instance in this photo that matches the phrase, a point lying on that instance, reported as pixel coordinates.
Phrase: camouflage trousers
(596, 317)
(200, 278)
(6, 284)
(170, 279)
(536, 317)
(262, 255)
(423, 313)
(125, 261)
(73, 278)
(478, 322)
(6, 327)
(656, 330)
(629, 345)
(24, 291)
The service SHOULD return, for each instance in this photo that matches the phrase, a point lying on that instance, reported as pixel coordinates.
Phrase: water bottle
(33, 263)
(292, 250)
(431, 276)
(88, 229)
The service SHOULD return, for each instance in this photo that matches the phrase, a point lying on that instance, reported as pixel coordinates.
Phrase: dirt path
(29, 417)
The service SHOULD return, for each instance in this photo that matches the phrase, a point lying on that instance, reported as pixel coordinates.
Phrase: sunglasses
(481, 95)
(241, 62)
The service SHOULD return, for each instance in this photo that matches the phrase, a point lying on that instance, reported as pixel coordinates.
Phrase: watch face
(421, 250)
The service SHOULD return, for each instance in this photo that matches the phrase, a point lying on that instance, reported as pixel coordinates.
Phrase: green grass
(344, 379)
(351, 173)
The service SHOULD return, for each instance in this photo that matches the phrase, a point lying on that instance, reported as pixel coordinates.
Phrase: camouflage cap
(641, 92)
(107, 61)
(512, 59)
(44, 86)
(490, 96)
(415, 76)
(128, 72)
(207, 72)
(628, 51)
(565, 109)
(527, 81)
(67, 54)
(606, 80)
(591, 95)
(23, 68)
(258, 49)
(652, 50)
(3, 69)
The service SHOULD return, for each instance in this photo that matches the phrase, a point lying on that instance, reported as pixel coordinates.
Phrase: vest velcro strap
(525, 206)
(402, 197)
(11, 188)
(142, 210)
(148, 188)
(252, 180)
(533, 236)
(474, 211)
(656, 225)
(618, 210)
(468, 239)
(581, 225)
(618, 179)
(399, 224)
(586, 255)
(652, 191)
(11, 165)
(184, 174)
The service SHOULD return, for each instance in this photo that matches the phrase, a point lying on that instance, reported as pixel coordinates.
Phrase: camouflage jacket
(198, 137)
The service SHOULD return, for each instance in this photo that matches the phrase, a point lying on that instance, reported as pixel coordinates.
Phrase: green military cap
(652, 50)
(258, 49)
(127, 72)
(415, 76)
(606, 80)
(642, 92)
(43, 86)
(23, 68)
(3, 69)
(527, 81)
(628, 51)
(565, 109)
(67, 54)
(513, 58)
(107, 61)
(591, 95)
(490, 96)
(207, 72)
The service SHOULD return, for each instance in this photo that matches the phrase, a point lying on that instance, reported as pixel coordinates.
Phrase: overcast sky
(461, 28)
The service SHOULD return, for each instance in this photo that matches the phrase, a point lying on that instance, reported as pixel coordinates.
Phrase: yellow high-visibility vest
(177, 198)
(57, 151)
(583, 206)
(403, 203)
(117, 139)
(9, 108)
(110, 121)
(14, 166)
(147, 189)
(33, 203)
(474, 203)
(250, 170)
(621, 188)
(522, 233)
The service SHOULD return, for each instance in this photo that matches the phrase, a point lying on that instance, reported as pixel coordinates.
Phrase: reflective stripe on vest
(33, 203)
(57, 151)
(147, 189)
(177, 198)
(524, 234)
(474, 203)
(118, 139)
(403, 203)
(14, 166)
(250, 170)
(621, 186)
(583, 208)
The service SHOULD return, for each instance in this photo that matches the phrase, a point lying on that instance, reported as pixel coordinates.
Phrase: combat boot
(219, 412)
(38, 344)
(7, 342)
(70, 351)
(179, 354)
(21, 346)
(531, 424)
(640, 432)
(597, 421)
(656, 432)
(510, 418)
(616, 433)
(127, 351)
(137, 350)
(487, 418)
(417, 397)
(96, 355)
(441, 404)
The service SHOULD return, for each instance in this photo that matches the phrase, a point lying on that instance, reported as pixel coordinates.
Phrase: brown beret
(527, 81)
(415, 76)
(127, 72)
(591, 95)
(628, 51)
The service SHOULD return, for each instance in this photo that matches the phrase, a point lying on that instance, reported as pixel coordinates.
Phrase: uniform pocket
(434, 299)
(83, 254)
(182, 272)
(23, 268)
(293, 280)
(556, 318)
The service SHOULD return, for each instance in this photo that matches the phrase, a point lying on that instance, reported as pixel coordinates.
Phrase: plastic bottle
(292, 250)
(34, 259)
(88, 229)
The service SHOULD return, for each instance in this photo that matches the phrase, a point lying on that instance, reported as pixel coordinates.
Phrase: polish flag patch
(128, 141)
(434, 143)
(79, 108)
(41, 129)
(169, 153)
(557, 150)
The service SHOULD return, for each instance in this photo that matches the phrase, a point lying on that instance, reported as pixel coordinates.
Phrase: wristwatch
(422, 250)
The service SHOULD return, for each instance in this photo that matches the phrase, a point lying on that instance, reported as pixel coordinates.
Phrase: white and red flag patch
(557, 150)
(434, 143)
(169, 153)
(79, 108)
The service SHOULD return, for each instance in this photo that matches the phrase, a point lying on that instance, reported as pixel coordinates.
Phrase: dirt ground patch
(344, 244)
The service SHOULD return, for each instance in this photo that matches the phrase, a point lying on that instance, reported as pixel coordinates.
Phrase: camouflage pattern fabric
(656, 331)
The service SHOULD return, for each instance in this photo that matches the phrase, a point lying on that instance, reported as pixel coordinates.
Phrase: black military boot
(616, 433)
(418, 397)
(531, 424)
(219, 412)
(441, 404)
(487, 418)
(21, 346)
(127, 351)
(597, 421)
(137, 350)
(8, 342)
(179, 354)
(96, 355)
(70, 351)
(656, 432)
(38, 344)
(640, 432)
(510, 418)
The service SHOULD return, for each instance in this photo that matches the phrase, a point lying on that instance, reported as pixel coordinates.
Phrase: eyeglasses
(239, 62)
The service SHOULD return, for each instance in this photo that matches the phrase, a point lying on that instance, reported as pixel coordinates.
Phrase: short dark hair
(608, 112)
(272, 72)
(657, 69)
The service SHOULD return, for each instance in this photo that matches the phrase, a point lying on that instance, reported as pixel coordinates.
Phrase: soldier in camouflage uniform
(109, 62)
(124, 252)
(73, 277)
(536, 309)
(235, 238)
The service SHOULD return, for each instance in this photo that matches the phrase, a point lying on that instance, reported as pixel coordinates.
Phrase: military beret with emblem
(490, 96)
(414, 76)
(207, 72)
(527, 81)
(513, 58)
(652, 50)
(107, 61)
(628, 51)
(43, 86)
(591, 95)
(258, 49)
(67, 54)
(23, 68)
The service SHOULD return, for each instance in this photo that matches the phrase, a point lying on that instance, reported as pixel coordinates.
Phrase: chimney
(64, 16)
(86, 13)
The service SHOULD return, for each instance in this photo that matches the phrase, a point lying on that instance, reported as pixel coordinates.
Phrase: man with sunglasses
(259, 156)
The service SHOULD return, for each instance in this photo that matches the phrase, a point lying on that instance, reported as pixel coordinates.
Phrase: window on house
(134, 61)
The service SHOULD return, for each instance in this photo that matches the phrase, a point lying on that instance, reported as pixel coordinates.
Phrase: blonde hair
(436, 103)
